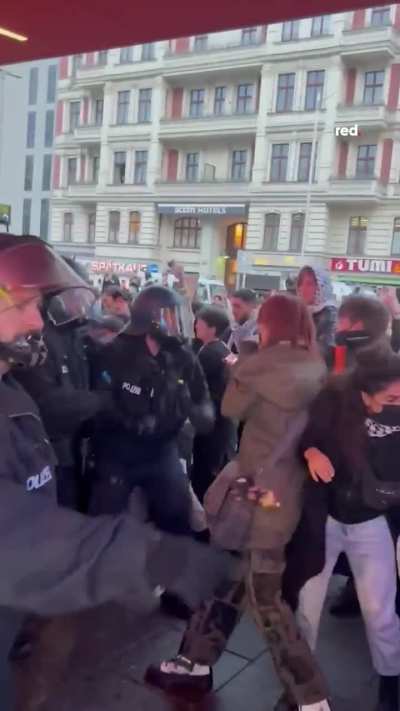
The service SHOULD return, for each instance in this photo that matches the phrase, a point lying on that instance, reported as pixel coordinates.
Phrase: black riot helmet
(26, 262)
(158, 309)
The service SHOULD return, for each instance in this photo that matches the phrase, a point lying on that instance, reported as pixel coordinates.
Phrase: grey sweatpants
(371, 553)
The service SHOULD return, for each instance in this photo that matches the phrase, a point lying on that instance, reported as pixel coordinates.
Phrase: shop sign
(361, 266)
(206, 210)
(110, 267)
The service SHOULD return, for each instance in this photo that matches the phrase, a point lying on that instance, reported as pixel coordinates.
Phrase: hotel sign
(202, 210)
(362, 266)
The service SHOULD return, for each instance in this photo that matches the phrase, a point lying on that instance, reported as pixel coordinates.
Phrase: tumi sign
(362, 266)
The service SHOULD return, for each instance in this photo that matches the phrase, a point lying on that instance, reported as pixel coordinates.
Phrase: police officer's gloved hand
(190, 569)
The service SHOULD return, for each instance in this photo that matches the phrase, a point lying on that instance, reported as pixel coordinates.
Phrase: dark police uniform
(139, 447)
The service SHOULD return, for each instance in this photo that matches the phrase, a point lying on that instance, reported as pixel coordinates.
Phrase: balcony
(213, 124)
(228, 56)
(91, 76)
(127, 131)
(85, 191)
(369, 44)
(208, 189)
(88, 133)
(298, 120)
(368, 117)
(354, 189)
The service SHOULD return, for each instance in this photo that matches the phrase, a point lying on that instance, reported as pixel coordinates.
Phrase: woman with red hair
(270, 391)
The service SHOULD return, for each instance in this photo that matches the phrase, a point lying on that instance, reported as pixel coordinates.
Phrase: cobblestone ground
(114, 648)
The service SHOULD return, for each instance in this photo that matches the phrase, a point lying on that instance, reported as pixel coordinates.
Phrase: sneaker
(180, 677)
(318, 706)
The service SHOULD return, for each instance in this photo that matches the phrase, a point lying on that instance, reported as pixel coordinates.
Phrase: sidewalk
(115, 647)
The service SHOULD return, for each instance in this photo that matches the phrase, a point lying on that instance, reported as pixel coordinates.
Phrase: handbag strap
(295, 429)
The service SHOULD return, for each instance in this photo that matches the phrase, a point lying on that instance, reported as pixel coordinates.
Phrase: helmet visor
(34, 265)
(70, 305)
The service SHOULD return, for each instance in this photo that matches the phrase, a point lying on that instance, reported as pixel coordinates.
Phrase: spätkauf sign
(366, 265)
(110, 267)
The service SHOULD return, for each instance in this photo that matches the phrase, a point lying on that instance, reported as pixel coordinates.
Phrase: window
(26, 216)
(126, 55)
(380, 17)
(366, 161)
(279, 162)
(303, 174)
(74, 114)
(33, 85)
(49, 129)
(219, 100)
(239, 165)
(271, 232)
(196, 107)
(200, 43)
(123, 107)
(44, 218)
(28, 181)
(31, 130)
(102, 58)
(290, 31)
(296, 232)
(141, 167)
(51, 83)
(314, 90)
(192, 167)
(95, 168)
(373, 87)
(67, 226)
(144, 110)
(147, 52)
(245, 99)
(119, 168)
(357, 236)
(72, 166)
(91, 227)
(320, 26)
(134, 227)
(98, 112)
(113, 226)
(285, 95)
(187, 233)
(76, 63)
(396, 238)
(46, 175)
(249, 36)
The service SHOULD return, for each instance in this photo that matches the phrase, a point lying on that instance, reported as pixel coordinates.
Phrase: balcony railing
(210, 117)
(203, 181)
(211, 47)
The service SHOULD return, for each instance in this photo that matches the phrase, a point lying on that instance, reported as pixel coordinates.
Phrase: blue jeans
(371, 553)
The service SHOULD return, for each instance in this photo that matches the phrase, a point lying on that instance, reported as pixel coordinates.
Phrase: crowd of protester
(271, 431)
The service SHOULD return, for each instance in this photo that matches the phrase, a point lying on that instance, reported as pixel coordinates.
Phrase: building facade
(27, 118)
(254, 150)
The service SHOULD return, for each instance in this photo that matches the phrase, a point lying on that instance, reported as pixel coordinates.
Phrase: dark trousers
(10, 622)
(210, 454)
(258, 582)
(161, 478)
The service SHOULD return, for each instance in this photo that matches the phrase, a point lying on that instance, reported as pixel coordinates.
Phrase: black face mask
(25, 352)
(352, 339)
(390, 416)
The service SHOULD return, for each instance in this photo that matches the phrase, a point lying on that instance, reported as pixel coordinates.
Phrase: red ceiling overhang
(74, 26)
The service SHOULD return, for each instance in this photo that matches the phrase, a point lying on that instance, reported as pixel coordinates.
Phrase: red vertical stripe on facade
(350, 86)
(56, 171)
(83, 168)
(172, 165)
(386, 160)
(90, 59)
(358, 20)
(177, 103)
(394, 86)
(59, 117)
(397, 17)
(343, 153)
(182, 45)
(63, 68)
